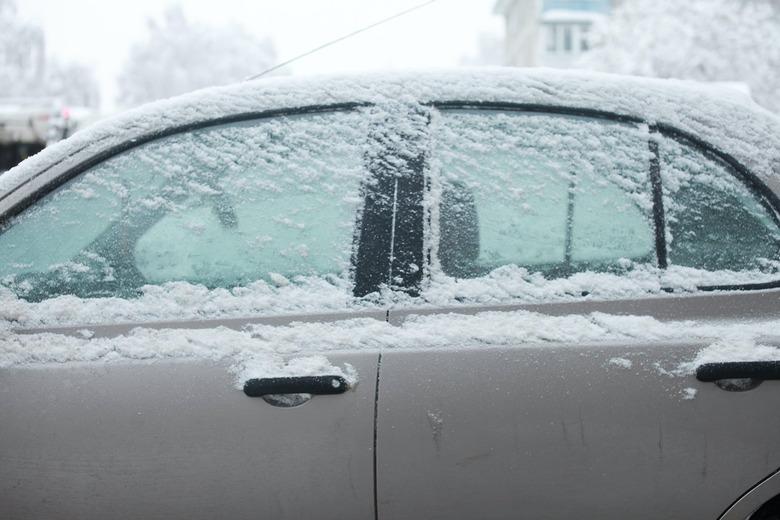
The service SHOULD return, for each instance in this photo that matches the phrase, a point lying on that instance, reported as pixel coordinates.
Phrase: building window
(567, 38)
(584, 37)
(552, 38)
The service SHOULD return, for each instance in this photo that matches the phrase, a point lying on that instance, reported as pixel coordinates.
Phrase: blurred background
(65, 64)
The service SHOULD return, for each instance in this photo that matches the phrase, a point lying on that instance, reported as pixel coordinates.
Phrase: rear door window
(550, 193)
(269, 200)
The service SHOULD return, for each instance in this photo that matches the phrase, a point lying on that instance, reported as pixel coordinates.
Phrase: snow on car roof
(731, 123)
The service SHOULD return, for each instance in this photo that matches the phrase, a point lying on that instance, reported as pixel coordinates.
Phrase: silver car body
(541, 429)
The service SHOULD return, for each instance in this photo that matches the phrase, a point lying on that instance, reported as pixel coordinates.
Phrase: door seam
(376, 416)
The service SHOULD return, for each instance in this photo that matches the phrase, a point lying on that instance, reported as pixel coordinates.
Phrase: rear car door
(243, 238)
(583, 401)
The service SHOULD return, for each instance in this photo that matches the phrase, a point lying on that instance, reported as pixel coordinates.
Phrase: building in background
(549, 33)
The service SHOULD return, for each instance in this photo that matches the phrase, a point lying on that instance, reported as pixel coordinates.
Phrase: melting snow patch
(621, 362)
(689, 393)
(185, 301)
(278, 279)
(311, 294)
(301, 347)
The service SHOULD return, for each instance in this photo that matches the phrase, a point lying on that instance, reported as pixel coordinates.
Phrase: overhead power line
(341, 39)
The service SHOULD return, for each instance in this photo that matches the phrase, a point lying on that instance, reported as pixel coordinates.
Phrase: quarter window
(714, 221)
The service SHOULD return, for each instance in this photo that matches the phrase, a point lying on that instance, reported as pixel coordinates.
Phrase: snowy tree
(179, 56)
(21, 53)
(72, 84)
(26, 72)
(703, 40)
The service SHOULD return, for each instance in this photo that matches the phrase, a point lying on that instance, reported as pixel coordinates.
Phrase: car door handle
(760, 370)
(315, 385)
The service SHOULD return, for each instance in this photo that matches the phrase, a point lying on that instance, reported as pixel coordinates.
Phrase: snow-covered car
(476, 294)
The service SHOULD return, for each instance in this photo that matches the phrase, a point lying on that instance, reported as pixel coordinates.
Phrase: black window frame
(760, 190)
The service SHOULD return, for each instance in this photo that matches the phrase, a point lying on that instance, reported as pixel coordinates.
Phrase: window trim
(659, 212)
(765, 195)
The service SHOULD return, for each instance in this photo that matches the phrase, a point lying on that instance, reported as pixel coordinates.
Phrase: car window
(555, 194)
(714, 221)
(269, 199)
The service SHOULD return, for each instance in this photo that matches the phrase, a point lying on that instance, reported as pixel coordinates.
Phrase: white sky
(100, 32)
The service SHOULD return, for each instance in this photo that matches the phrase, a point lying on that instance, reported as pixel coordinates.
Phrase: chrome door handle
(315, 385)
(760, 370)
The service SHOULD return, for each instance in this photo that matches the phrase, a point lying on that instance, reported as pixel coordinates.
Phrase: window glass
(713, 220)
(584, 37)
(267, 200)
(555, 194)
(552, 37)
(567, 38)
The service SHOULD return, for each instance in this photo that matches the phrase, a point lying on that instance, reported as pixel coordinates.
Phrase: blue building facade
(595, 6)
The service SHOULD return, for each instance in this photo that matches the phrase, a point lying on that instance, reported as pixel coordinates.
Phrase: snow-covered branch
(703, 40)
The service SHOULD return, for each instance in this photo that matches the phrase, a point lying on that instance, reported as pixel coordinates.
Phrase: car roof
(721, 117)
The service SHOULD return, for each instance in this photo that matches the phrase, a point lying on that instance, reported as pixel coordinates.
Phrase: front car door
(584, 402)
(233, 234)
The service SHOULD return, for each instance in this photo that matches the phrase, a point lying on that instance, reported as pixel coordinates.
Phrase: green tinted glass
(223, 206)
(555, 194)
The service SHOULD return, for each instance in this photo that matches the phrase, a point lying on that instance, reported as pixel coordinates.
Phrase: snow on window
(224, 207)
(734, 125)
(621, 362)
(714, 221)
(555, 195)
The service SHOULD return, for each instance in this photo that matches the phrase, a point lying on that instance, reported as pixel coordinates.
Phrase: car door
(143, 295)
(582, 401)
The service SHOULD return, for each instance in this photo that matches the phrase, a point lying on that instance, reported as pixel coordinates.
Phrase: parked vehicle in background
(481, 294)
(28, 125)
